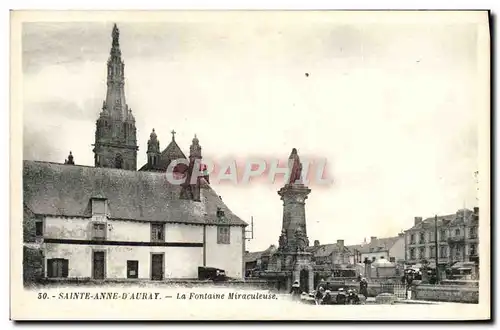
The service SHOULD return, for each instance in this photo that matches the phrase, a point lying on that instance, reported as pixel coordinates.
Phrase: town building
(336, 254)
(457, 239)
(257, 261)
(111, 221)
(391, 249)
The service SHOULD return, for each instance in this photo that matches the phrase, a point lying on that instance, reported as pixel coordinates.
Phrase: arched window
(119, 161)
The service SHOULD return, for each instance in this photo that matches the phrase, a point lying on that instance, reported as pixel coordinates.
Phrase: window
(457, 232)
(157, 232)
(132, 269)
(412, 239)
(458, 251)
(442, 235)
(98, 206)
(432, 236)
(119, 161)
(422, 253)
(442, 252)
(392, 259)
(99, 231)
(412, 253)
(421, 239)
(472, 250)
(433, 252)
(38, 228)
(223, 235)
(57, 268)
(374, 258)
(472, 232)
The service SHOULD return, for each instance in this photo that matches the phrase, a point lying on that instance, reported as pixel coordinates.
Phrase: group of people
(324, 296)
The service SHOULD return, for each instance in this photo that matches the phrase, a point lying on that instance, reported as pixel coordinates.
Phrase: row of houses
(457, 236)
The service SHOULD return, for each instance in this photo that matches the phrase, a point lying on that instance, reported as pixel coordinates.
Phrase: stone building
(111, 221)
(457, 236)
(391, 249)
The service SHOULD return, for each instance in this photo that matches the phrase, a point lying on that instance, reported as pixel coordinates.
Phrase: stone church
(112, 221)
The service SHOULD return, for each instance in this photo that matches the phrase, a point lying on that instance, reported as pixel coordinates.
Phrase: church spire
(115, 97)
(116, 133)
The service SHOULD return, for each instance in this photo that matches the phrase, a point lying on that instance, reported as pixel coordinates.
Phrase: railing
(455, 239)
(399, 290)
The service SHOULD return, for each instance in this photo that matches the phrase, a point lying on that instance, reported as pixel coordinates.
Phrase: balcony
(456, 240)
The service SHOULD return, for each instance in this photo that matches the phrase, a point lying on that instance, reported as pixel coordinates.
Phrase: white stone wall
(377, 255)
(226, 256)
(118, 230)
(179, 262)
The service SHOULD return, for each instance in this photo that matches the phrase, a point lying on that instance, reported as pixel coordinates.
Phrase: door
(304, 280)
(132, 269)
(157, 267)
(99, 265)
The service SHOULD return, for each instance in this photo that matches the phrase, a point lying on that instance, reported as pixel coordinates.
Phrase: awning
(461, 264)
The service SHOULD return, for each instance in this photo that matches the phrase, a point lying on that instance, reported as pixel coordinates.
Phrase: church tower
(115, 137)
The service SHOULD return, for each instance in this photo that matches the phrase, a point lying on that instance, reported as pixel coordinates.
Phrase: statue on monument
(296, 167)
(301, 240)
(283, 239)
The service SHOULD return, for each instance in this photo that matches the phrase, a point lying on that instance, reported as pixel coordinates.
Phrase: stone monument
(292, 257)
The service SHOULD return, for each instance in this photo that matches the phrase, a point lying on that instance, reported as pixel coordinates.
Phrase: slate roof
(326, 250)
(171, 152)
(65, 190)
(254, 256)
(354, 248)
(380, 244)
(444, 220)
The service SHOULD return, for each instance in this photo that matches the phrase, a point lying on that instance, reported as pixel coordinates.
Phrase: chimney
(476, 210)
(316, 243)
(418, 220)
(373, 239)
(401, 234)
(340, 243)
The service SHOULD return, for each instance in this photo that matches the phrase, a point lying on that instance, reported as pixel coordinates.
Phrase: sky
(391, 107)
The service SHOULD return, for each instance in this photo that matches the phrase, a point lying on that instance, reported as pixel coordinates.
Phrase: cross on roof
(173, 134)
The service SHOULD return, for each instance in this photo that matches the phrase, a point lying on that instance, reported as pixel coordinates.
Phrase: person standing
(363, 287)
(295, 291)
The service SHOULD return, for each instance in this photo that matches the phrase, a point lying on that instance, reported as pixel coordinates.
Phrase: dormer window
(99, 205)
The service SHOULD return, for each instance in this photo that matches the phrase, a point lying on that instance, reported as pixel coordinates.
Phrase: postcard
(250, 165)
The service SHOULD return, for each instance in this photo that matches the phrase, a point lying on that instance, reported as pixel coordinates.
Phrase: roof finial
(173, 135)
(70, 159)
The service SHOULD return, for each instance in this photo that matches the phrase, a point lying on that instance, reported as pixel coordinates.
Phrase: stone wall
(447, 293)
(374, 289)
(32, 265)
